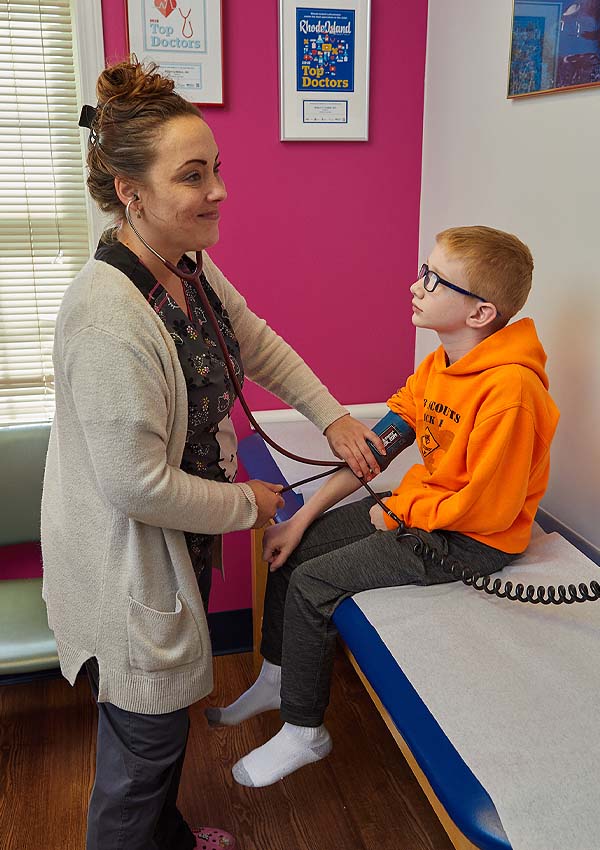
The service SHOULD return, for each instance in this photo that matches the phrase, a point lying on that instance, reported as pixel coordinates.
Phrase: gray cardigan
(118, 581)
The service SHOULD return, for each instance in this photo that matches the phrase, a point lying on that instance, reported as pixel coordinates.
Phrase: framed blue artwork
(555, 46)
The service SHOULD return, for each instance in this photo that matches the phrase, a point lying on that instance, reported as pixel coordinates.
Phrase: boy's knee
(302, 580)
(311, 587)
(298, 578)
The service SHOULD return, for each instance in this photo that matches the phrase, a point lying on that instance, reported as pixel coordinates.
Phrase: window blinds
(43, 218)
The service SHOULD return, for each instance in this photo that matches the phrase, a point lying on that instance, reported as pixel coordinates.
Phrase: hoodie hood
(516, 344)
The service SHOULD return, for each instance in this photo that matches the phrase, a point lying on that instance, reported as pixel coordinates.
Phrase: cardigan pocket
(162, 640)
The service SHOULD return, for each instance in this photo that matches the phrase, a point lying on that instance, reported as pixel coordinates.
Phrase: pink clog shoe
(212, 838)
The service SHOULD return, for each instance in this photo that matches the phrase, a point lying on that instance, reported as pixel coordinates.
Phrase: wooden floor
(362, 797)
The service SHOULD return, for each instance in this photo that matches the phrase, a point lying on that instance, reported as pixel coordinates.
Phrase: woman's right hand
(268, 500)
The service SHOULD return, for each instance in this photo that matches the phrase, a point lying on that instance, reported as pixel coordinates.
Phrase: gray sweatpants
(342, 554)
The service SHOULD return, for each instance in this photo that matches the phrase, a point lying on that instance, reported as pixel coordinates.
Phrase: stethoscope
(195, 279)
(490, 585)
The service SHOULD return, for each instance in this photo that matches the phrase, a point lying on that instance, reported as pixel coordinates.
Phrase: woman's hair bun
(129, 81)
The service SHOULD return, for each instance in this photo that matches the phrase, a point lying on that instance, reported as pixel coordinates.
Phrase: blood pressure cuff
(396, 435)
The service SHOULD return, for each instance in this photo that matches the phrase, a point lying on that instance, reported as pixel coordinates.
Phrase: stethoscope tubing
(194, 279)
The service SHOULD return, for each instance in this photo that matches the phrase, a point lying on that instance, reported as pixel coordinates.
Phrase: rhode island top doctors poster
(324, 70)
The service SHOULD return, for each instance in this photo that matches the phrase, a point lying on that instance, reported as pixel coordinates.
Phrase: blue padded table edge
(464, 798)
(456, 787)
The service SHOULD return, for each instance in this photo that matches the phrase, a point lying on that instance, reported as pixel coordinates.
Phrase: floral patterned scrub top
(209, 450)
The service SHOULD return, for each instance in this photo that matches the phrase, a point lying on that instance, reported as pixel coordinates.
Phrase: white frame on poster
(188, 48)
(320, 101)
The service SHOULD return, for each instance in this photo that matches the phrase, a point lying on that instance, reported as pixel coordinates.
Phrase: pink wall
(320, 237)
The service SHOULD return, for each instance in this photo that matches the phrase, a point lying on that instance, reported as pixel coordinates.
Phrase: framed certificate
(324, 70)
(184, 38)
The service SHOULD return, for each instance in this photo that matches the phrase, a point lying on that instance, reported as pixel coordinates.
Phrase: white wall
(528, 166)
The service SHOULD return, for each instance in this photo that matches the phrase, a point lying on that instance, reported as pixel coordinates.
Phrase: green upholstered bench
(26, 643)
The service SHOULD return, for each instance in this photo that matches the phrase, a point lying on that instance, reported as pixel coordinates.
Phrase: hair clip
(88, 113)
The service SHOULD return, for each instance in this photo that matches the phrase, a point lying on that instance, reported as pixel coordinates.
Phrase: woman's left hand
(346, 437)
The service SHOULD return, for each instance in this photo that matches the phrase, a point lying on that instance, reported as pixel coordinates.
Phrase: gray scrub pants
(139, 759)
(138, 767)
(342, 554)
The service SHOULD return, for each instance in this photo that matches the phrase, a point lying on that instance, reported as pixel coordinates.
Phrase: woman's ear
(125, 191)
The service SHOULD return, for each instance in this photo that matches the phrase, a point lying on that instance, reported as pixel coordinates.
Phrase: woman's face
(183, 189)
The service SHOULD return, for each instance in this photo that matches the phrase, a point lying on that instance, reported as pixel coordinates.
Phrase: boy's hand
(346, 437)
(279, 542)
(378, 518)
(268, 500)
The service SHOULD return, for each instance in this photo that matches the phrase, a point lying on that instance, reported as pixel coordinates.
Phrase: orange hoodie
(484, 427)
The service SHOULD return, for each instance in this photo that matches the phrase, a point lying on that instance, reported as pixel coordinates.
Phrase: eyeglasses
(431, 280)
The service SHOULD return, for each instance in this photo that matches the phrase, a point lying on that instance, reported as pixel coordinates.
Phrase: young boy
(484, 422)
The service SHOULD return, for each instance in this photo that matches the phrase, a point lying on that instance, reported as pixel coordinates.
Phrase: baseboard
(33, 676)
(375, 410)
(550, 523)
(231, 631)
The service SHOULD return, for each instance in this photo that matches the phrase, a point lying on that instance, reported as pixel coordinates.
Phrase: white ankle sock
(263, 695)
(291, 748)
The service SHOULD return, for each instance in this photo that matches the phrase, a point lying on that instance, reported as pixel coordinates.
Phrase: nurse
(139, 483)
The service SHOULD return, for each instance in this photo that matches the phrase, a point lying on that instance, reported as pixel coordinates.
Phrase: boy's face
(442, 310)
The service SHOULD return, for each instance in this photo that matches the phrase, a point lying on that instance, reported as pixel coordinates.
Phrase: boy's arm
(280, 540)
(403, 402)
